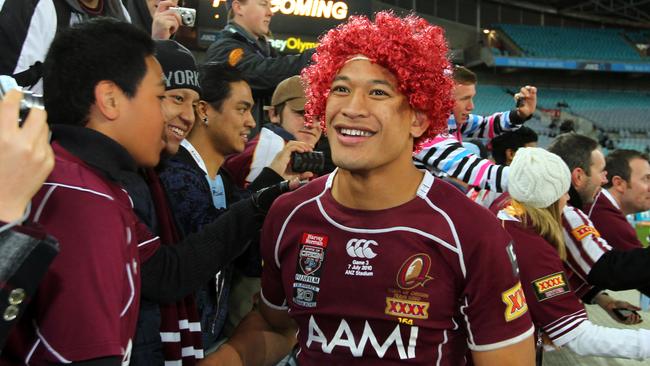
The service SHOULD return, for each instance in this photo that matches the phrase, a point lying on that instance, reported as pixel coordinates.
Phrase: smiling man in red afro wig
(374, 264)
(413, 50)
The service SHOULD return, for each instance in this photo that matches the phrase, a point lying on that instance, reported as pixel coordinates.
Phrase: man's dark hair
(511, 140)
(216, 79)
(617, 163)
(463, 75)
(84, 55)
(575, 150)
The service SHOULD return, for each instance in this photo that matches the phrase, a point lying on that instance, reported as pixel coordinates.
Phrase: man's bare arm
(264, 337)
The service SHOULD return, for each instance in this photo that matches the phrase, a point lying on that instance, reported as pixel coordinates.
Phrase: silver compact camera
(188, 15)
(29, 100)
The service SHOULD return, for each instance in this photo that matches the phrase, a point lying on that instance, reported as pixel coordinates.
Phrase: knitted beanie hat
(178, 64)
(538, 177)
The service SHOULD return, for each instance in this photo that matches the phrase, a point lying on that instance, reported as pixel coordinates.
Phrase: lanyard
(217, 188)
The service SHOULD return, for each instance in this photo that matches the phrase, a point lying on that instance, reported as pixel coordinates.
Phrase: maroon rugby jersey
(612, 224)
(415, 284)
(87, 304)
(553, 307)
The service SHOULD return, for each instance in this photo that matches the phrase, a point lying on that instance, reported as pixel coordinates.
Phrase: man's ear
(619, 184)
(419, 125)
(107, 99)
(274, 117)
(578, 177)
(202, 109)
(236, 7)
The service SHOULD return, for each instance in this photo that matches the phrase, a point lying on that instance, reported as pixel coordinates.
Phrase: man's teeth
(351, 132)
(177, 131)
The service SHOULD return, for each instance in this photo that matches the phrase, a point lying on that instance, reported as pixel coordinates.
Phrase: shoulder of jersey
(302, 194)
(74, 174)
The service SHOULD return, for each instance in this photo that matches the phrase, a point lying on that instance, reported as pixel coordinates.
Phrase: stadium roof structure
(626, 13)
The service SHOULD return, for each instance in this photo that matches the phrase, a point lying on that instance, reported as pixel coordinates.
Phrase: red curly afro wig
(410, 48)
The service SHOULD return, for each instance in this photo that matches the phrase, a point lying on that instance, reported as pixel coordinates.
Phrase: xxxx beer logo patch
(550, 286)
(414, 272)
(515, 302)
(583, 231)
(407, 308)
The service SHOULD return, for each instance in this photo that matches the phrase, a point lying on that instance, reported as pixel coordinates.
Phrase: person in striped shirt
(591, 259)
(445, 153)
(539, 184)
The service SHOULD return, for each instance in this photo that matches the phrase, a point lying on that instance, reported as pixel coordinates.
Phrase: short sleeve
(552, 305)
(493, 303)
(91, 284)
(272, 293)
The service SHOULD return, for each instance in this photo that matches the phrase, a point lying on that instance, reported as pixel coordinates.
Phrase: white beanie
(538, 177)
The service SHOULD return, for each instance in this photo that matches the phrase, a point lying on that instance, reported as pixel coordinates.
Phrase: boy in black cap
(159, 334)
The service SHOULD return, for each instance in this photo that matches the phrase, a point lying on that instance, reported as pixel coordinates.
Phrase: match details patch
(515, 301)
(235, 56)
(407, 308)
(550, 286)
(583, 231)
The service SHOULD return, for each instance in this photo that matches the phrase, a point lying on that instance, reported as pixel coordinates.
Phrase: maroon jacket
(611, 223)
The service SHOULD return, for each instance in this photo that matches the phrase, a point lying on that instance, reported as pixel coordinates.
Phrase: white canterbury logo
(360, 248)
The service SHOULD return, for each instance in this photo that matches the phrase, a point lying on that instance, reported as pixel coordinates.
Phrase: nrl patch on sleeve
(235, 56)
(551, 286)
(515, 301)
(583, 231)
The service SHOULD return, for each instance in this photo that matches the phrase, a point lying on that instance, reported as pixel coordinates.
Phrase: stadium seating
(621, 113)
(573, 43)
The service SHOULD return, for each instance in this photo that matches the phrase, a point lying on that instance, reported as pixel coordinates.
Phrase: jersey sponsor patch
(583, 231)
(550, 286)
(311, 258)
(407, 309)
(515, 301)
(235, 56)
(314, 239)
(364, 342)
(414, 271)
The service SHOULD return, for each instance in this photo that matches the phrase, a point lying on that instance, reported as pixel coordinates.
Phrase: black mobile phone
(308, 162)
(622, 314)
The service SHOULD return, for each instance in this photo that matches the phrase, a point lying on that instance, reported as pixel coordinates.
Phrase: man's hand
(608, 304)
(528, 101)
(281, 164)
(165, 22)
(26, 159)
